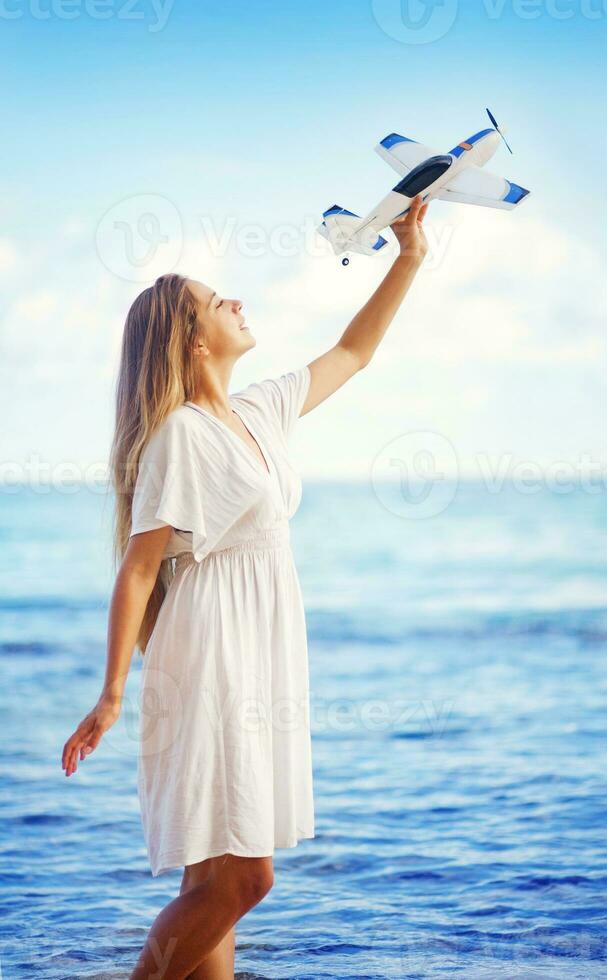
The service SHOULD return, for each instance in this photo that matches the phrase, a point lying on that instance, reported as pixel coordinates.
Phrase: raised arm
(357, 344)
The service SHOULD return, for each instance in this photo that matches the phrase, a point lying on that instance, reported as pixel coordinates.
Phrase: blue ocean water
(458, 692)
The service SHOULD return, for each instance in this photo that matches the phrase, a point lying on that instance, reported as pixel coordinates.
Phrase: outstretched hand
(410, 232)
(87, 736)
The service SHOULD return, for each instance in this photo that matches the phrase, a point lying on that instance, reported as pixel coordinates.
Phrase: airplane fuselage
(428, 178)
(458, 176)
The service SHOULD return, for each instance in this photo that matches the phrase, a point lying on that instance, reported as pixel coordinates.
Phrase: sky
(144, 137)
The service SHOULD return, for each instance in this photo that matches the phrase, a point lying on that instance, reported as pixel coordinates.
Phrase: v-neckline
(262, 468)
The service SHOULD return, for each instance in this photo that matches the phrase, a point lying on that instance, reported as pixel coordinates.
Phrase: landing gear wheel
(345, 261)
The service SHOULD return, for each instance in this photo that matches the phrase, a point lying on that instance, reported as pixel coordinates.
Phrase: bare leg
(219, 964)
(191, 926)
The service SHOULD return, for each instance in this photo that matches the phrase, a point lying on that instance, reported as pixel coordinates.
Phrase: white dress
(225, 761)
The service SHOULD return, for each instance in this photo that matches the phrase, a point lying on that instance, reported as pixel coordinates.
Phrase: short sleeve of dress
(169, 483)
(284, 396)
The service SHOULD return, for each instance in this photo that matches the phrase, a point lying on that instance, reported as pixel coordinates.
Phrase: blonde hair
(156, 375)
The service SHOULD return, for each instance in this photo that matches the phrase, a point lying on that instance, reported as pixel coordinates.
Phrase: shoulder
(178, 429)
(279, 393)
(182, 420)
(279, 399)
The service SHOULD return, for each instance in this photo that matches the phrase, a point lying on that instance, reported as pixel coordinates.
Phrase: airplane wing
(403, 153)
(355, 246)
(478, 186)
(348, 232)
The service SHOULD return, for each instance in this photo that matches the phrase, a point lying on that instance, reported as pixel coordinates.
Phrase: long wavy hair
(156, 375)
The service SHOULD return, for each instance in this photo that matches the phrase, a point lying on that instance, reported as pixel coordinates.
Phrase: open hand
(410, 232)
(87, 736)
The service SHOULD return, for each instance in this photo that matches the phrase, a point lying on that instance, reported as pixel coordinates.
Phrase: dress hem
(179, 859)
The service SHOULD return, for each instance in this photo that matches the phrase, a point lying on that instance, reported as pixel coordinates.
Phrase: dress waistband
(266, 540)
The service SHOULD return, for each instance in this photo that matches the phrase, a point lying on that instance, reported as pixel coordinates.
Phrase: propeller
(496, 127)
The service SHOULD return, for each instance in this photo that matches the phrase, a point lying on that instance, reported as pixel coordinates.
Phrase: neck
(212, 388)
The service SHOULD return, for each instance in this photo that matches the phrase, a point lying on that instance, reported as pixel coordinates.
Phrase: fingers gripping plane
(456, 176)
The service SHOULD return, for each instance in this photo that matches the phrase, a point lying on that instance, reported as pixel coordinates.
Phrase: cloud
(9, 256)
(504, 287)
(512, 286)
(501, 298)
(34, 307)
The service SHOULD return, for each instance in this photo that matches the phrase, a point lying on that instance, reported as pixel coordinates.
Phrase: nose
(238, 305)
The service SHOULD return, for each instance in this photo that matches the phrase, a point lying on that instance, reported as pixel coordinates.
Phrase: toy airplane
(455, 176)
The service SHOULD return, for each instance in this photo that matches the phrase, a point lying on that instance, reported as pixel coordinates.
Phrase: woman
(202, 477)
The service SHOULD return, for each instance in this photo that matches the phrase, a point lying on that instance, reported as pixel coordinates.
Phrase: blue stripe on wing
(335, 209)
(393, 138)
(515, 193)
(458, 150)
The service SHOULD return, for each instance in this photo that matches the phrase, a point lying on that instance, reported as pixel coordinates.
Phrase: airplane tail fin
(346, 233)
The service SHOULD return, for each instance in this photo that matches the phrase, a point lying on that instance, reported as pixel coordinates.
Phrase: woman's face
(225, 330)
